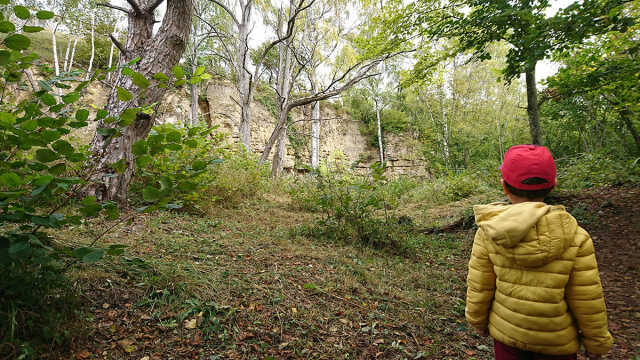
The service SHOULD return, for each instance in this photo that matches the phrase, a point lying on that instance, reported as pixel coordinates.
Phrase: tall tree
(237, 53)
(523, 24)
(158, 54)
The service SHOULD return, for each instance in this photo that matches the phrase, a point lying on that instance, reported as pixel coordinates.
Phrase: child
(533, 281)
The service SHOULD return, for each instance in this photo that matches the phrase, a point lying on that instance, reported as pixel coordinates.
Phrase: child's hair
(530, 194)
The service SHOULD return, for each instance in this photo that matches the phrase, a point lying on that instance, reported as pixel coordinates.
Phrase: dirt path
(612, 217)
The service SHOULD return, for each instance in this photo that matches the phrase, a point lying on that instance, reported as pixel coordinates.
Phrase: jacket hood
(531, 234)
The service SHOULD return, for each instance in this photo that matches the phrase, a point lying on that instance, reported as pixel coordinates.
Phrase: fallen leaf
(470, 352)
(144, 358)
(190, 324)
(294, 310)
(127, 345)
(344, 321)
(378, 341)
(83, 354)
(105, 306)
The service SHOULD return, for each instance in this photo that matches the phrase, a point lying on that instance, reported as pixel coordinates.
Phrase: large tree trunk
(532, 106)
(157, 53)
(242, 71)
(281, 151)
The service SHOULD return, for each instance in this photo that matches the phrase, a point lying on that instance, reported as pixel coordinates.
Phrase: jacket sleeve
(481, 284)
(586, 300)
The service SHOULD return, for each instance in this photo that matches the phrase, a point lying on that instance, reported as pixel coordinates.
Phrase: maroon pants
(505, 352)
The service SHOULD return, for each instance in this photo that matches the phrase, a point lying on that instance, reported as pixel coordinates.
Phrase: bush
(592, 170)
(354, 209)
(238, 178)
(176, 165)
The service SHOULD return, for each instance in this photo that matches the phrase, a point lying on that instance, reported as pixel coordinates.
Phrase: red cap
(528, 161)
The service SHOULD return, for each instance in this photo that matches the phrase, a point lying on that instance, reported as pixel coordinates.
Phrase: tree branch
(135, 6)
(118, 45)
(225, 8)
(113, 7)
(154, 6)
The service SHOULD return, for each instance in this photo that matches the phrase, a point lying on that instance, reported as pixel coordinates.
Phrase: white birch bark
(380, 145)
(110, 60)
(66, 56)
(93, 48)
(73, 54)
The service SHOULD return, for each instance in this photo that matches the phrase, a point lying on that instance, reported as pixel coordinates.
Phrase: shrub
(239, 177)
(591, 170)
(176, 165)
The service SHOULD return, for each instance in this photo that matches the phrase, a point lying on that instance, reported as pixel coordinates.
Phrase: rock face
(340, 137)
(341, 141)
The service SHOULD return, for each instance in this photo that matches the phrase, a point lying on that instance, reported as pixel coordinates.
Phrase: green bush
(176, 165)
(592, 170)
(238, 178)
(354, 209)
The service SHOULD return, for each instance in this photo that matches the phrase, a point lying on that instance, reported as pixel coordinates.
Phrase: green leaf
(7, 27)
(191, 143)
(17, 42)
(128, 117)
(160, 77)
(46, 155)
(90, 207)
(151, 194)
(5, 56)
(106, 131)
(174, 136)
(127, 71)
(123, 95)
(29, 125)
(142, 161)
(71, 97)
(178, 72)
(119, 166)
(199, 165)
(180, 82)
(32, 29)
(58, 169)
(116, 249)
(187, 186)
(4, 2)
(18, 247)
(199, 71)
(139, 148)
(7, 120)
(93, 256)
(173, 146)
(101, 114)
(140, 81)
(48, 99)
(133, 61)
(63, 147)
(11, 180)
(44, 15)
(21, 12)
(82, 114)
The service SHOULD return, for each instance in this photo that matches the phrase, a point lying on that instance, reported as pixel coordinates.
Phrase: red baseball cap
(522, 162)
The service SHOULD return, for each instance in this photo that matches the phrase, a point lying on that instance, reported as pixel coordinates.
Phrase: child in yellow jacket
(533, 281)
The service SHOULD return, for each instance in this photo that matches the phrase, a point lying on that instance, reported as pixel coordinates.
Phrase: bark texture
(532, 106)
(157, 53)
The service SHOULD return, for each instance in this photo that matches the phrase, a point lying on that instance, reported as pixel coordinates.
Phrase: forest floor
(240, 284)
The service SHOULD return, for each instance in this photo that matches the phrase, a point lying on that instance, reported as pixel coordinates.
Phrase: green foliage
(354, 210)
(175, 165)
(225, 187)
(597, 169)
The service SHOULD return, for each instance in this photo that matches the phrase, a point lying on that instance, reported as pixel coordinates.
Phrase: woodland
(124, 235)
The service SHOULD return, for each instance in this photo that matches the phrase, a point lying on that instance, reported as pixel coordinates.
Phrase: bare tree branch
(135, 6)
(225, 8)
(154, 5)
(113, 7)
(117, 43)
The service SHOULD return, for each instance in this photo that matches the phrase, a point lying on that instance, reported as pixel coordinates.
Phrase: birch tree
(237, 53)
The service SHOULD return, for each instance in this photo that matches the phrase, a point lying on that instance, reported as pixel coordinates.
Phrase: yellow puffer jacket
(534, 281)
